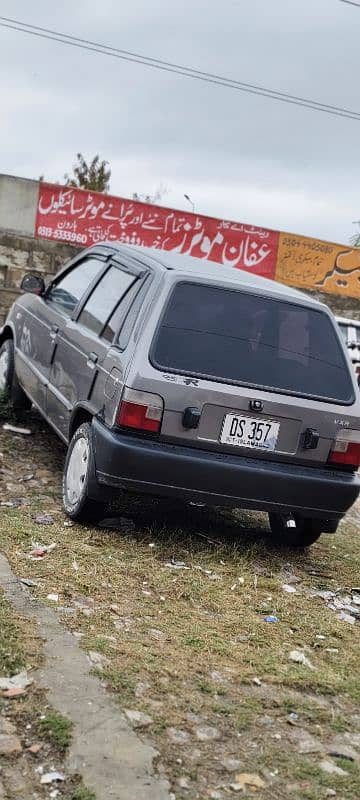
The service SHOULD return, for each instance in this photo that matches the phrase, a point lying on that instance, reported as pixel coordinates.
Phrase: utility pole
(191, 202)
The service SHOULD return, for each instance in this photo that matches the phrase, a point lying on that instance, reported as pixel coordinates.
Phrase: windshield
(233, 336)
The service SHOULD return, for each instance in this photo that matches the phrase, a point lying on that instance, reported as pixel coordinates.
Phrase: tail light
(346, 449)
(140, 410)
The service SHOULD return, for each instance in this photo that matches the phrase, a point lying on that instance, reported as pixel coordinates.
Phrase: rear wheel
(304, 533)
(5, 368)
(9, 385)
(78, 473)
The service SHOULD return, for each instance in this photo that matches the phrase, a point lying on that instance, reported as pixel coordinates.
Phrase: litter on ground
(15, 429)
(44, 519)
(52, 777)
(300, 658)
(19, 681)
(40, 550)
(288, 588)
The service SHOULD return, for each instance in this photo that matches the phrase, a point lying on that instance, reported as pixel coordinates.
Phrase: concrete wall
(340, 306)
(18, 203)
(21, 254)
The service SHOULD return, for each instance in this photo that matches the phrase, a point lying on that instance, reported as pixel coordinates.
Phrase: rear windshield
(236, 337)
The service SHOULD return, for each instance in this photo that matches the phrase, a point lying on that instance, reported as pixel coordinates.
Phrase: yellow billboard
(315, 264)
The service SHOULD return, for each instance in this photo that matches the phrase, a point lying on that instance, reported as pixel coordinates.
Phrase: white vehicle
(350, 329)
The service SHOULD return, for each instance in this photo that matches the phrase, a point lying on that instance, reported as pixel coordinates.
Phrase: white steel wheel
(9, 385)
(76, 472)
(4, 369)
(79, 474)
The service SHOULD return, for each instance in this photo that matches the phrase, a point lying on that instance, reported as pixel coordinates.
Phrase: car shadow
(167, 520)
(174, 524)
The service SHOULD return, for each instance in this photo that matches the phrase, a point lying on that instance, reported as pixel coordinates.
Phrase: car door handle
(53, 331)
(92, 358)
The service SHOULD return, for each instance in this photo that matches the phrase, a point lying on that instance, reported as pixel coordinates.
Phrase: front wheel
(78, 472)
(10, 388)
(303, 534)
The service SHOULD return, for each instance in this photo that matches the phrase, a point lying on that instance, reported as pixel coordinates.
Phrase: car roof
(224, 276)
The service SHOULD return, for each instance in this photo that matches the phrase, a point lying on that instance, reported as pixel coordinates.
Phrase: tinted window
(69, 290)
(106, 295)
(133, 315)
(235, 336)
(117, 318)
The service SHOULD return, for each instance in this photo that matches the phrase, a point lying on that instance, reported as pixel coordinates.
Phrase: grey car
(168, 375)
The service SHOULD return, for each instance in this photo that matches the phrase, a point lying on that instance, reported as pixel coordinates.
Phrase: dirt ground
(236, 660)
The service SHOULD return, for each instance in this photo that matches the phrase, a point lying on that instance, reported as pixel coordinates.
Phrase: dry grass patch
(183, 642)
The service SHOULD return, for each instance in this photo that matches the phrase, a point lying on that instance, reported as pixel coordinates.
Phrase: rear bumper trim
(128, 462)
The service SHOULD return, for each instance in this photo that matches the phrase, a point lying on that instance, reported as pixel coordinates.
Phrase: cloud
(237, 155)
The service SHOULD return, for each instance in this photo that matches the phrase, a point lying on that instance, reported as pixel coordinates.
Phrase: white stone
(331, 769)
(177, 736)
(137, 719)
(9, 745)
(207, 733)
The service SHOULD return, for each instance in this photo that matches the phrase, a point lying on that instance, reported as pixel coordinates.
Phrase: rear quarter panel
(118, 363)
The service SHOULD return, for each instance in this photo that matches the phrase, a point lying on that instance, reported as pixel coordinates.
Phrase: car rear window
(238, 337)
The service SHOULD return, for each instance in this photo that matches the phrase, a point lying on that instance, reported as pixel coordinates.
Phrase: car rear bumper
(124, 461)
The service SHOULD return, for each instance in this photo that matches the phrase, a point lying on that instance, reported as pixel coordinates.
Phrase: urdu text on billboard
(83, 218)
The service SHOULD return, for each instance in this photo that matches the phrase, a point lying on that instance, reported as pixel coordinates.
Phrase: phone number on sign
(66, 236)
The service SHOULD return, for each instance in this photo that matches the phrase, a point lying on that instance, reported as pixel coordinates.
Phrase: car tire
(304, 534)
(9, 384)
(79, 474)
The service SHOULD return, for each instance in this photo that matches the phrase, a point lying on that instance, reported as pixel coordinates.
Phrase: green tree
(94, 175)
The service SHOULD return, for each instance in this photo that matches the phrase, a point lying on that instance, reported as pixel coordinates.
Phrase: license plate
(260, 434)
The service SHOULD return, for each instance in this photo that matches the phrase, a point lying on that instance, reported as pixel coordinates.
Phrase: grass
(57, 728)
(20, 649)
(12, 653)
(197, 638)
(82, 794)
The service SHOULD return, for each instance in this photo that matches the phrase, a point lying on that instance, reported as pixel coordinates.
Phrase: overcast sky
(236, 155)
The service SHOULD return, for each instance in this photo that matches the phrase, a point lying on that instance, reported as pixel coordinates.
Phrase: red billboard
(84, 218)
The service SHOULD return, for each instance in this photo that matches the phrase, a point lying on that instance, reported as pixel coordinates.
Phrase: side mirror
(33, 284)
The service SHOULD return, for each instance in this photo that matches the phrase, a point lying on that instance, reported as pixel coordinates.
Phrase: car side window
(118, 316)
(112, 287)
(133, 315)
(65, 294)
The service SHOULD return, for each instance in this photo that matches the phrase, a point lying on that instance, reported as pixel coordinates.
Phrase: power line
(177, 69)
(350, 3)
(191, 72)
(166, 66)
